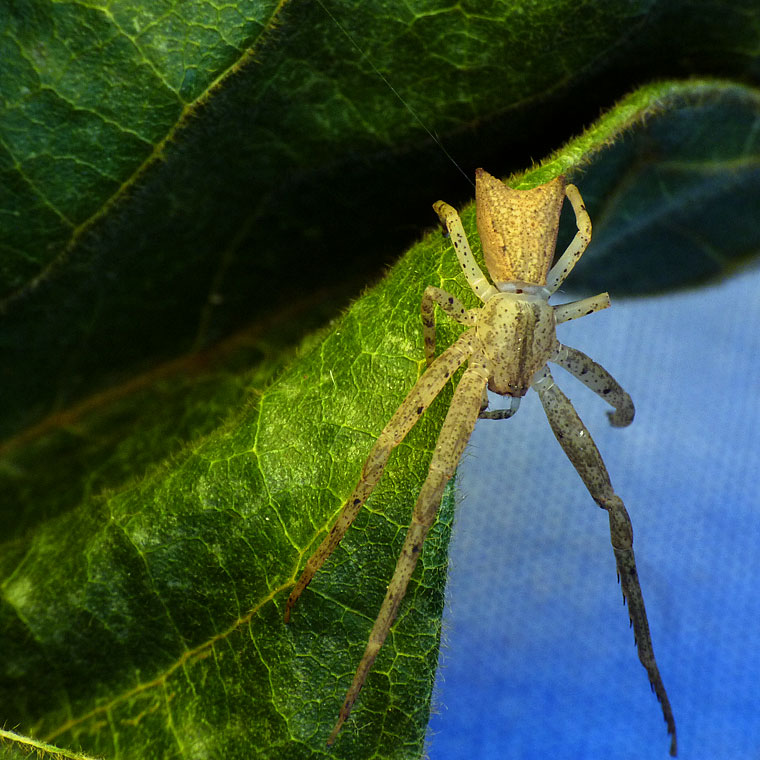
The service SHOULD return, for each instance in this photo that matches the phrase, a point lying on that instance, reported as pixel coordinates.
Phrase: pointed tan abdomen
(518, 228)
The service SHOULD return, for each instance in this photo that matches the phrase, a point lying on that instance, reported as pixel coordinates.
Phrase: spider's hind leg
(456, 430)
(411, 409)
(585, 457)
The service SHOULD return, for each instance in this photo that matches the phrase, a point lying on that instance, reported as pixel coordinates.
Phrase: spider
(506, 347)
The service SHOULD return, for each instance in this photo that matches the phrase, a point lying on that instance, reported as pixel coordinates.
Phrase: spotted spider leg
(581, 450)
(596, 377)
(472, 272)
(411, 409)
(455, 432)
(452, 439)
(451, 306)
(578, 245)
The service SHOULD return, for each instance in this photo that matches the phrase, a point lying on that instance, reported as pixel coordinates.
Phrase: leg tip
(334, 734)
(620, 417)
(288, 608)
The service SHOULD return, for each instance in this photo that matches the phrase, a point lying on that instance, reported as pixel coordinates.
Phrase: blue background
(537, 659)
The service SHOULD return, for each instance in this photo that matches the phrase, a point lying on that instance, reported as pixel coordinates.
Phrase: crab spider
(507, 347)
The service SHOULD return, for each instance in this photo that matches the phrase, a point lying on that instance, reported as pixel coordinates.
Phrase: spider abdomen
(518, 228)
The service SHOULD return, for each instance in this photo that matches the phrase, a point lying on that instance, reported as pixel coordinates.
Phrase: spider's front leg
(583, 453)
(578, 245)
(456, 431)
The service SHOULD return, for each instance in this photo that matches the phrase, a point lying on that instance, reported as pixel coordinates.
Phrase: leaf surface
(155, 528)
(170, 174)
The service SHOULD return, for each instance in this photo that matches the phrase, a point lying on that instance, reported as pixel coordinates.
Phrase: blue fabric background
(538, 660)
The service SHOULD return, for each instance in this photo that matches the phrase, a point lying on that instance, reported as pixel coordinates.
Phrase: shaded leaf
(673, 198)
(172, 173)
(147, 619)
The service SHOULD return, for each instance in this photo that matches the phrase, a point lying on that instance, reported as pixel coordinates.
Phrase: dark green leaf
(171, 173)
(168, 176)
(147, 620)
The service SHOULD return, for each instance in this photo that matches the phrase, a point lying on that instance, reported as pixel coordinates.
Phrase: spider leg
(411, 409)
(566, 311)
(499, 414)
(484, 401)
(452, 306)
(596, 377)
(578, 245)
(448, 215)
(584, 455)
(456, 430)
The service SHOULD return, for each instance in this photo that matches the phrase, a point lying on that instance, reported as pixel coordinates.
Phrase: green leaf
(13, 746)
(146, 620)
(170, 174)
